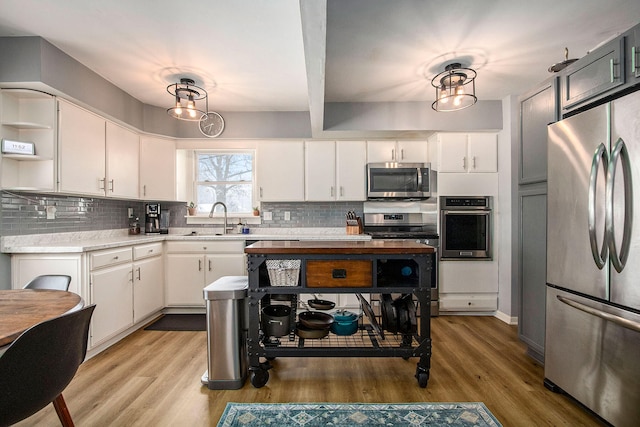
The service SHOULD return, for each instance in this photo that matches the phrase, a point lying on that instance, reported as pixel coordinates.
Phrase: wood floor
(152, 378)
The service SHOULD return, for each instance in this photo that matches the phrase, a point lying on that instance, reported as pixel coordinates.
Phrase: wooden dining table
(22, 308)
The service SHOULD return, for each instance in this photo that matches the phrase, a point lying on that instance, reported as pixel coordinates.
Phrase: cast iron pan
(389, 316)
(320, 304)
(315, 319)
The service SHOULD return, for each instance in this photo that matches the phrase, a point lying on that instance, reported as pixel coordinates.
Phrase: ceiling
(288, 55)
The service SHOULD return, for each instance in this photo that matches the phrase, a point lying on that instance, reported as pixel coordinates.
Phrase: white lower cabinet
(190, 266)
(25, 267)
(468, 286)
(126, 285)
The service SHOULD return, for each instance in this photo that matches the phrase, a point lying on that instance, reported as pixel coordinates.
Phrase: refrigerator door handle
(599, 256)
(620, 321)
(619, 258)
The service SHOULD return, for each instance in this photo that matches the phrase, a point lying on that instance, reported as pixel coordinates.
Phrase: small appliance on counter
(165, 215)
(152, 218)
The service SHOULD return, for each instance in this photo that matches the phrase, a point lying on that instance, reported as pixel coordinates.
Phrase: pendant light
(455, 88)
(186, 93)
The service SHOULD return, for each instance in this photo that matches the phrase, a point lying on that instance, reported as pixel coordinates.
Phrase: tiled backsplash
(26, 213)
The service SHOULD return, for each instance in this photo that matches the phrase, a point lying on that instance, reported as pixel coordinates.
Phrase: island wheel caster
(259, 377)
(423, 377)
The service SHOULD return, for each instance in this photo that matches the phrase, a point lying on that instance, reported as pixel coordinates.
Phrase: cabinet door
(351, 165)
(381, 151)
(533, 264)
(597, 73)
(320, 171)
(111, 292)
(25, 267)
(220, 265)
(482, 152)
(185, 280)
(157, 169)
(537, 110)
(413, 151)
(148, 287)
(81, 151)
(280, 171)
(122, 161)
(452, 152)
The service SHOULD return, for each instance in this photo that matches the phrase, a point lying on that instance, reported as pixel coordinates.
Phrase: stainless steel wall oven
(465, 227)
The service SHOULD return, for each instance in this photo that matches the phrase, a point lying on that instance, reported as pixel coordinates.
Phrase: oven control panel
(475, 202)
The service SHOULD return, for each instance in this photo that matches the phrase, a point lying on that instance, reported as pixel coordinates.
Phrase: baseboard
(509, 320)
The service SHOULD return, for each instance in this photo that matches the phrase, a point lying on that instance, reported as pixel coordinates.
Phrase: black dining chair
(40, 364)
(57, 282)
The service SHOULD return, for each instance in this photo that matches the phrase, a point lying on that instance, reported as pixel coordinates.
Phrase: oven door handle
(469, 212)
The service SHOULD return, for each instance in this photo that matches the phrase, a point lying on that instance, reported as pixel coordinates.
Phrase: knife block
(354, 226)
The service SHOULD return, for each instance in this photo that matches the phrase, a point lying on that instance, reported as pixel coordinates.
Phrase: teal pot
(345, 323)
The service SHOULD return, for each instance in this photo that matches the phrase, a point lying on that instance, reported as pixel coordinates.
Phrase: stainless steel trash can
(226, 333)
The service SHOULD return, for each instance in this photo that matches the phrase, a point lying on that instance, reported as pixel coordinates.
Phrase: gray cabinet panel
(593, 75)
(533, 254)
(538, 108)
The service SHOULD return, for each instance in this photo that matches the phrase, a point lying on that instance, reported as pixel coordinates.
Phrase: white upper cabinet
(280, 171)
(81, 151)
(397, 151)
(351, 162)
(157, 168)
(28, 116)
(122, 157)
(463, 152)
(335, 170)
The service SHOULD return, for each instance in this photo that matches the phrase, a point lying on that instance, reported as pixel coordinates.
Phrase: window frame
(224, 151)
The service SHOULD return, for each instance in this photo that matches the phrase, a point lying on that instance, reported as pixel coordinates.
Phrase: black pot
(275, 320)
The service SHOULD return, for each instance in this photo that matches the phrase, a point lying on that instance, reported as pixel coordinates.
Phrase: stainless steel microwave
(398, 180)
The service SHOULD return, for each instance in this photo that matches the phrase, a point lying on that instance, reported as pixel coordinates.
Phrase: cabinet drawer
(479, 302)
(147, 251)
(209, 247)
(109, 257)
(339, 274)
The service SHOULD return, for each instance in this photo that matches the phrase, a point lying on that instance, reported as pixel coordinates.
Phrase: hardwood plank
(153, 378)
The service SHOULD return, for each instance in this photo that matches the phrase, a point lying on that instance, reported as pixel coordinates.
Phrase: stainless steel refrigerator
(592, 348)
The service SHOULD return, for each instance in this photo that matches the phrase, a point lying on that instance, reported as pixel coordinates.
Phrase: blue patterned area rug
(357, 414)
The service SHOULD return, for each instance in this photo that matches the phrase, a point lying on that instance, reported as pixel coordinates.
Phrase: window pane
(224, 167)
(237, 197)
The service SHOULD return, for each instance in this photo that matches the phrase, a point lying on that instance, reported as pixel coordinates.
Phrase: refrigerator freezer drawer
(593, 359)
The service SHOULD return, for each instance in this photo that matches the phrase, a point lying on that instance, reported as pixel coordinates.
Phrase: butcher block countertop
(339, 247)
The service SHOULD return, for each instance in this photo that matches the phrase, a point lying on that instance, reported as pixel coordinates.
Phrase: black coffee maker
(152, 218)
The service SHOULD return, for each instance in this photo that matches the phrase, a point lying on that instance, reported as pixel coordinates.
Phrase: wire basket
(283, 272)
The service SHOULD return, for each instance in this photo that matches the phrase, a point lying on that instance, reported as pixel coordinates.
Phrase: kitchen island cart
(290, 269)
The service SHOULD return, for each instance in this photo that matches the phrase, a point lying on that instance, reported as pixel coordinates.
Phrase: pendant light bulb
(178, 108)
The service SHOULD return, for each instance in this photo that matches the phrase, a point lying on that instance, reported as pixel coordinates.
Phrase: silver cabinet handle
(139, 274)
(464, 163)
(261, 192)
(634, 64)
(619, 151)
(599, 256)
(199, 265)
(620, 321)
(103, 184)
(131, 277)
(209, 265)
(402, 154)
(611, 67)
(144, 190)
(111, 184)
(474, 161)
(332, 191)
(341, 191)
(393, 154)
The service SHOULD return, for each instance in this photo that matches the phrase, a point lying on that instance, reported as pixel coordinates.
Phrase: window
(224, 177)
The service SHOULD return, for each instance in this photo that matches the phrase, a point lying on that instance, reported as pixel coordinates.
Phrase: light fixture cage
(455, 88)
(188, 92)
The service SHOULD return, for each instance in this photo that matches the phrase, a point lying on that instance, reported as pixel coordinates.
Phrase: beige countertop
(91, 241)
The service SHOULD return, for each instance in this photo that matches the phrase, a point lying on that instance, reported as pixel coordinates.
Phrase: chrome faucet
(224, 229)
